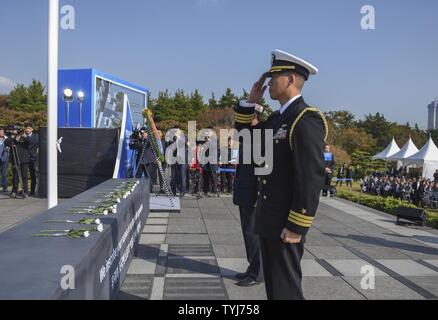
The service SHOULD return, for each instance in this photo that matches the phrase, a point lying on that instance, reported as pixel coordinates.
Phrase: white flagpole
(52, 108)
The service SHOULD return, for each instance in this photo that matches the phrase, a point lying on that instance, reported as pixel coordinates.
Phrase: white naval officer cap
(283, 61)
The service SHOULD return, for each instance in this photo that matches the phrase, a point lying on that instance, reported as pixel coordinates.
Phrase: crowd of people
(420, 191)
(19, 152)
(186, 175)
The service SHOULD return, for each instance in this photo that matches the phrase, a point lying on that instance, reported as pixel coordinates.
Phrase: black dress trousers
(282, 269)
(252, 244)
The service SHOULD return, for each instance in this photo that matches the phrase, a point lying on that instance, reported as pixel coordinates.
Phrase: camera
(12, 131)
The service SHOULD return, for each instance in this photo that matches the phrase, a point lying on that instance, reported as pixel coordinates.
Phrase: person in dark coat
(18, 147)
(245, 196)
(146, 162)
(33, 157)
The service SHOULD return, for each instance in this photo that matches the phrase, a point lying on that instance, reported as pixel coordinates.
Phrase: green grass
(388, 205)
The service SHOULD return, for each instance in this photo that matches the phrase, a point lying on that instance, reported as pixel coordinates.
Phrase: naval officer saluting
(288, 197)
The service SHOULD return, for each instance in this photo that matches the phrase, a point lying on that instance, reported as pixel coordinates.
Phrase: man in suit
(145, 157)
(4, 161)
(289, 193)
(33, 157)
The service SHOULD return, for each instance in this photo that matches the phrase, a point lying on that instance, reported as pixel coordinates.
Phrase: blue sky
(215, 44)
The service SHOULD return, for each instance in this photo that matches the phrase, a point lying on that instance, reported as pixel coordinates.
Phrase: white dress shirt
(287, 104)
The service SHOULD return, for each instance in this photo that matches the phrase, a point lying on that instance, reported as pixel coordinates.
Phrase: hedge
(385, 204)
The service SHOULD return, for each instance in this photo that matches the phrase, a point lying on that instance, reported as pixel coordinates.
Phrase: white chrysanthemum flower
(97, 221)
(105, 213)
(100, 228)
(86, 234)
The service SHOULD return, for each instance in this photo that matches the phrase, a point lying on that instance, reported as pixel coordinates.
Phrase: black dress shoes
(248, 282)
(241, 276)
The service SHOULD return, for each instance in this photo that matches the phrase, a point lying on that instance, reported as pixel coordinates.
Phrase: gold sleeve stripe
(324, 121)
(301, 216)
(244, 116)
(244, 122)
(298, 223)
(300, 220)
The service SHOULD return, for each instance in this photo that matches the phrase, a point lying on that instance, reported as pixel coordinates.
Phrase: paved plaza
(194, 254)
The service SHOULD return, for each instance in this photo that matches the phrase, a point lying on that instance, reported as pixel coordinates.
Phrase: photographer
(33, 157)
(4, 160)
(145, 156)
(18, 146)
(210, 169)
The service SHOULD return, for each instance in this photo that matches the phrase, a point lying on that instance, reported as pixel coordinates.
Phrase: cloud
(6, 85)
(204, 3)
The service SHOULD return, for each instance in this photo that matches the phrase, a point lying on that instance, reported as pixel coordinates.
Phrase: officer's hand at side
(290, 237)
(257, 91)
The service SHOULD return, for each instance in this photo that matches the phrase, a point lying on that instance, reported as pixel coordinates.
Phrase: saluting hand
(290, 237)
(258, 90)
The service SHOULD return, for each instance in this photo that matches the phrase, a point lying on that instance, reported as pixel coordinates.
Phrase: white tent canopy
(409, 149)
(390, 150)
(427, 157)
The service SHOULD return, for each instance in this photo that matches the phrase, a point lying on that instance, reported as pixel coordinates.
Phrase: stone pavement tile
(379, 252)
(187, 239)
(218, 209)
(311, 268)
(353, 268)
(187, 213)
(307, 254)
(158, 215)
(194, 288)
(148, 251)
(190, 250)
(319, 239)
(230, 239)
(178, 221)
(326, 288)
(12, 220)
(198, 265)
(142, 266)
(223, 227)
(240, 293)
(229, 251)
(136, 287)
(152, 239)
(433, 262)
(157, 221)
(218, 216)
(407, 267)
(430, 283)
(424, 253)
(189, 203)
(330, 252)
(230, 266)
(385, 288)
(195, 226)
(149, 229)
(4, 227)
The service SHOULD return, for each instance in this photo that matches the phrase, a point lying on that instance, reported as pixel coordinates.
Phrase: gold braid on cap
(324, 121)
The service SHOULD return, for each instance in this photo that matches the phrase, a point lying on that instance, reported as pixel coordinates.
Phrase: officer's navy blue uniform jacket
(289, 196)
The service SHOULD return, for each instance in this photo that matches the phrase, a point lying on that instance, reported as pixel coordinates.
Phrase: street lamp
(81, 101)
(68, 98)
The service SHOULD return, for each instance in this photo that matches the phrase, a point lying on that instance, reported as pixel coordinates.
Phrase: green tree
(379, 128)
(228, 99)
(212, 102)
(31, 98)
